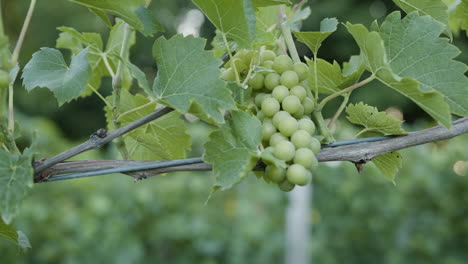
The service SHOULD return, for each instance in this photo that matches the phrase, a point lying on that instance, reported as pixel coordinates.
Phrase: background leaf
(233, 149)
(458, 18)
(9, 233)
(314, 40)
(188, 78)
(373, 120)
(263, 3)
(389, 164)
(48, 69)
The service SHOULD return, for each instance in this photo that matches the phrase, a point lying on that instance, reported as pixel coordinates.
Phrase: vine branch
(357, 151)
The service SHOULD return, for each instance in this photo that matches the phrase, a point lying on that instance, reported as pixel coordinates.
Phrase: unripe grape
(279, 117)
(289, 79)
(272, 80)
(256, 82)
(315, 145)
(286, 186)
(307, 125)
(291, 104)
(299, 91)
(301, 139)
(282, 63)
(245, 55)
(275, 174)
(260, 97)
(267, 55)
(268, 129)
(302, 70)
(270, 106)
(276, 138)
(280, 92)
(260, 115)
(299, 113)
(297, 174)
(309, 105)
(228, 75)
(305, 157)
(288, 126)
(267, 64)
(284, 150)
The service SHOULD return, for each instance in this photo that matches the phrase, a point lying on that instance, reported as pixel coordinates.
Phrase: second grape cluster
(284, 105)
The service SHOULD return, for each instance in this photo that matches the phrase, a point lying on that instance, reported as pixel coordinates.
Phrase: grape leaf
(437, 9)
(16, 178)
(9, 233)
(314, 40)
(264, 3)
(162, 139)
(419, 53)
(269, 159)
(389, 164)
(234, 18)
(266, 21)
(329, 78)
(374, 57)
(188, 78)
(233, 149)
(133, 12)
(48, 69)
(374, 121)
(458, 18)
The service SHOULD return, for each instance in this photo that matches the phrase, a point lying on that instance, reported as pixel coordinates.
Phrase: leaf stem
(108, 66)
(346, 90)
(286, 31)
(226, 43)
(24, 29)
(340, 109)
(135, 109)
(100, 96)
(324, 131)
(316, 80)
(11, 113)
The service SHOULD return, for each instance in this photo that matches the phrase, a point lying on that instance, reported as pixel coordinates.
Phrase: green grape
(280, 92)
(305, 157)
(302, 70)
(260, 97)
(240, 65)
(288, 126)
(272, 80)
(267, 64)
(314, 162)
(309, 105)
(268, 129)
(270, 106)
(299, 91)
(282, 63)
(286, 186)
(228, 75)
(297, 174)
(275, 174)
(299, 113)
(256, 82)
(267, 55)
(291, 104)
(260, 115)
(279, 117)
(276, 138)
(289, 79)
(301, 139)
(284, 150)
(315, 145)
(245, 55)
(307, 125)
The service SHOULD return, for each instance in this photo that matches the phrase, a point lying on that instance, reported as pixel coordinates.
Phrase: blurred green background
(109, 219)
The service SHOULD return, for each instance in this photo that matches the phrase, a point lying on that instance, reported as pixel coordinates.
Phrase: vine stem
(340, 109)
(358, 151)
(226, 43)
(24, 29)
(286, 31)
(346, 90)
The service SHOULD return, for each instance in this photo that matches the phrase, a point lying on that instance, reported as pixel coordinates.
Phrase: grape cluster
(284, 105)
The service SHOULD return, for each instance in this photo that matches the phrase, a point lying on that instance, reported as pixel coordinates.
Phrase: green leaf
(16, 178)
(233, 149)
(48, 69)
(234, 18)
(389, 164)
(9, 233)
(140, 76)
(266, 21)
(329, 78)
(374, 121)
(269, 159)
(374, 57)
(458, 18)
(263, 3)
(314, 40)
(240, 95)
(422, 55)
(188, 78)
(163, 139)
(437, 9)
(131, 11)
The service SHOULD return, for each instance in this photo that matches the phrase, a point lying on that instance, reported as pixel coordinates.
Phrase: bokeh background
(355, 218)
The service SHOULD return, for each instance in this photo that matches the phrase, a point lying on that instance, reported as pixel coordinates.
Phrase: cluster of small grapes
(284, 106)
